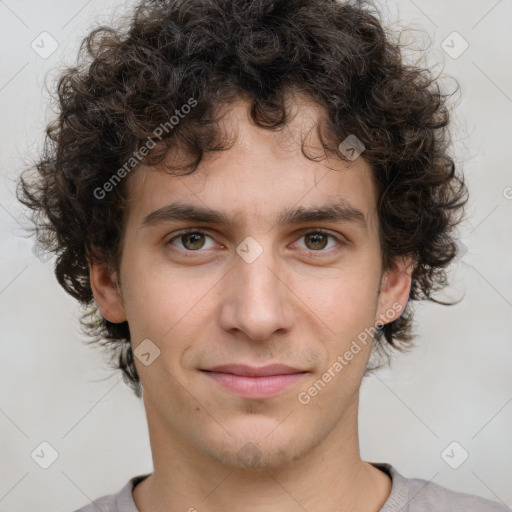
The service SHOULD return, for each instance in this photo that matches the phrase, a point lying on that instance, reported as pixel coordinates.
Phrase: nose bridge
(259, 280)
(258, 301)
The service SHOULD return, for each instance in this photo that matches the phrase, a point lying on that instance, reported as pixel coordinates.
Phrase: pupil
(320, 235)
(194, 238)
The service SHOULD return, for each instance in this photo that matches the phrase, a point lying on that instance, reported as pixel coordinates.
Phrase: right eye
(191, 240)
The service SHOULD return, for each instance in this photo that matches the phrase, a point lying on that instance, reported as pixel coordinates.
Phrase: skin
(301, 302)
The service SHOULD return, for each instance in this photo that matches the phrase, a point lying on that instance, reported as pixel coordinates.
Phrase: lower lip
(255, 387)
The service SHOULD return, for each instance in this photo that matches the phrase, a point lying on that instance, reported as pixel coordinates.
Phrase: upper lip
(253, 371)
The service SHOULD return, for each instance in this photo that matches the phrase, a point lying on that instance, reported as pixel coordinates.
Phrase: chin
(260, 452)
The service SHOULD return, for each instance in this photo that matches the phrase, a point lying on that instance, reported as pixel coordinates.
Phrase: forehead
(261, 175)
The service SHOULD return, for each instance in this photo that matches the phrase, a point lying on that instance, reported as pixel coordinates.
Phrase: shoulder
(431, 496)
(105, 504)
(419, 495)
(121, 501)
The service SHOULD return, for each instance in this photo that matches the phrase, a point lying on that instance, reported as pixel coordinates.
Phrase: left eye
(317, 240)
(195, 240)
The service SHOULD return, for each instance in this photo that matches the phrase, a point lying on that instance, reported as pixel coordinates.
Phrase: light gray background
(456, 386)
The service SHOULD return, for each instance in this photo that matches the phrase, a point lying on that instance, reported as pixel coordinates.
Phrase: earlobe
(106, 291)
(395, 289)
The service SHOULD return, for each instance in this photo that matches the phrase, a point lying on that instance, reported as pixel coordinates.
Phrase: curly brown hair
(131, 79)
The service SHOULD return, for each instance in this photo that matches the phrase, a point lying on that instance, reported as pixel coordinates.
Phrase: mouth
(255, 382)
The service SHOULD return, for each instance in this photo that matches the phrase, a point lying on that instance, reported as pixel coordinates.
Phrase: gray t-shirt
(407, 495)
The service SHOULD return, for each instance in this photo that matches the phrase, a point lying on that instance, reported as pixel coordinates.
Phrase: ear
(106, 289)
(394, 292)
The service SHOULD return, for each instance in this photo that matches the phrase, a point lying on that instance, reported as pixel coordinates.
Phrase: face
(250, 290)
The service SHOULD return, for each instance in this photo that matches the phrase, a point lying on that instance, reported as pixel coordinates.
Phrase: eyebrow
(341, 211)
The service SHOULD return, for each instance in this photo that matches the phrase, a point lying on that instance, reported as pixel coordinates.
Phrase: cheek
(343, 310)
(348, 298)
(160, 301)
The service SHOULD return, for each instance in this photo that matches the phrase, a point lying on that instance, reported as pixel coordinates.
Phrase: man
(251, 195)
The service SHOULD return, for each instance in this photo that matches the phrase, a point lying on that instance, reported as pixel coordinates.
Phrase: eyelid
(186, 231)
(338, 237)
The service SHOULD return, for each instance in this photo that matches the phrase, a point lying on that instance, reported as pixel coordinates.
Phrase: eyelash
(313, 231)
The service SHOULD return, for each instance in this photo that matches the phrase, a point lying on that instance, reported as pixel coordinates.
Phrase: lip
(253, 371)
(255, 382)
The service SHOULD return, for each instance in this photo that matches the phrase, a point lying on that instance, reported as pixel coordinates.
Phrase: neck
(331, 477)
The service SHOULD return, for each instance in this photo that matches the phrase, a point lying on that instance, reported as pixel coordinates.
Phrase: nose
(257, 299)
